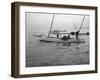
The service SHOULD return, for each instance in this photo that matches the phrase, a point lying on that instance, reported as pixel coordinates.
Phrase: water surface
(54, 54)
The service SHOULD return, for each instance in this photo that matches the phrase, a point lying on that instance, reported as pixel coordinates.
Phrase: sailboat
(59, 40)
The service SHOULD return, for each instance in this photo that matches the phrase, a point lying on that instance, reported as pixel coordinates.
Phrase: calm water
(53, 54)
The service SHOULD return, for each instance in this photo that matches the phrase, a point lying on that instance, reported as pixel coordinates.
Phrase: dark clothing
(57, 35)
(64, 38)
(77, 33)
(72, 33)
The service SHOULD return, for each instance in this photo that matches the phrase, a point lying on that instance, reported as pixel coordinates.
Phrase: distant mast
(51, 25)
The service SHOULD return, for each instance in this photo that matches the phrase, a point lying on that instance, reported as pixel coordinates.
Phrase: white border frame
(53, 69)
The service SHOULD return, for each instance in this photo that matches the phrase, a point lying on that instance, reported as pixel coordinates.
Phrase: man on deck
(57, 33)
(77, 33)
(65, 38)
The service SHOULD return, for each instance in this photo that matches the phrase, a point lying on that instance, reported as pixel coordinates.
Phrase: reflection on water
(53, 54)
(64, 44)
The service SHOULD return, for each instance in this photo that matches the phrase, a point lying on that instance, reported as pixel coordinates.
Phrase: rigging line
(51, 25)
(82, 23)
(75, 27)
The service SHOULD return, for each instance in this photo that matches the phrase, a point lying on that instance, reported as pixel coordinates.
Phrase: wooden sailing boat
(59, 40)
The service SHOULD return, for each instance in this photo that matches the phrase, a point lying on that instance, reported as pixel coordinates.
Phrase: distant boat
(38, 35)
(59, 40)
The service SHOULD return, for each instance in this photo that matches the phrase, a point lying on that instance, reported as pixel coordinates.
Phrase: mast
(51, 25)
(82, 23)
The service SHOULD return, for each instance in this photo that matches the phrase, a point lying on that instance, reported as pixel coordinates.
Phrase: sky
(37, 23)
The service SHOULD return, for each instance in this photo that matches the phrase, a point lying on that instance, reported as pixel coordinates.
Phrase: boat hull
(57, 40)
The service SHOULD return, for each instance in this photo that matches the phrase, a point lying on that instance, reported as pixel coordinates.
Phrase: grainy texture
(54, 54)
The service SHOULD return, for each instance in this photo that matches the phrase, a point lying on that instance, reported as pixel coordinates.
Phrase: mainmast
(51, 25)
(82, 23)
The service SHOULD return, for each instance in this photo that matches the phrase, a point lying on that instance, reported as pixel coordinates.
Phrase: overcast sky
(40, 23)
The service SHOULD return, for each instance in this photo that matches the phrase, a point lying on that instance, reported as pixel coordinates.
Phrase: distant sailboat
(59, 40)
